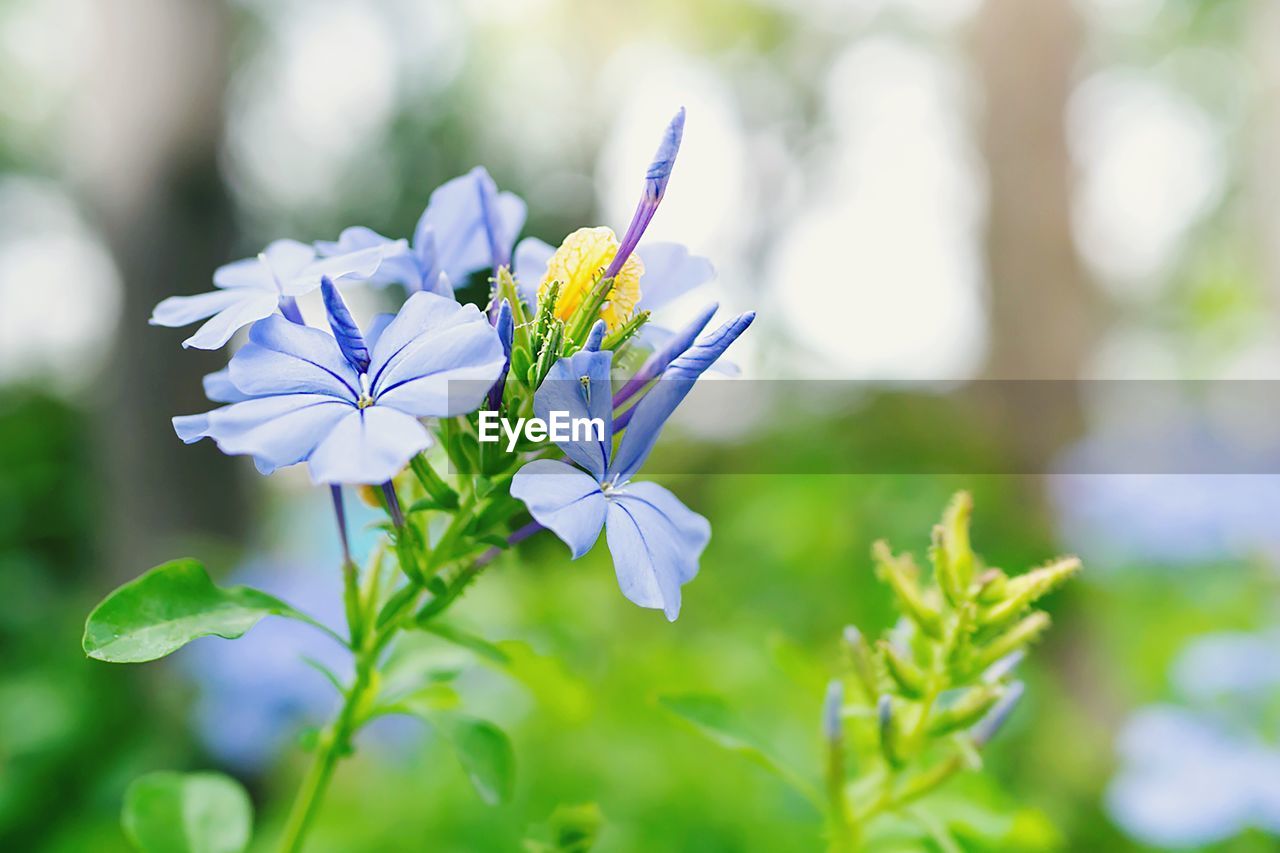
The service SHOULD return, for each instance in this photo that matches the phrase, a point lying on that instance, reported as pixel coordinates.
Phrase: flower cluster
(916, 708)
(350, 401)
(380, 404)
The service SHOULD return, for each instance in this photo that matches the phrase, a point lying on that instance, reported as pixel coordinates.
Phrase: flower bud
(888, 729)
(902, 575)
(909, 678)
(832, 708)
(989, 725)
(965, 711)
(860, 660)
(1019, 636)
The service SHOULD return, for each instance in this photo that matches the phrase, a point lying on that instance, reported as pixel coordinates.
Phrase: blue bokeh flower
(347, 405)
(1203, 772)
(254, 288)
(655, 540)
(467, 226)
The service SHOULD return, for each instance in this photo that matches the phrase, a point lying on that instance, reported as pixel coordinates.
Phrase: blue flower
(468, 225)
(654, 539)
(349, 405)
(254, 288)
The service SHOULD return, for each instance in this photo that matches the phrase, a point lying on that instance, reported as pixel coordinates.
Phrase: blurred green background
(904, 189)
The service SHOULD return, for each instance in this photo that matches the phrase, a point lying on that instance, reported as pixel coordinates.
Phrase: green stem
(333, 745)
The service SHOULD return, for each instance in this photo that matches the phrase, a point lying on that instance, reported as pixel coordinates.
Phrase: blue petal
(436, 359)
(669, 273)
(656, 542)
(368, 446)
(285, 259)
(279, 430)
(675, 383)
(219, 388)
(359, 265)
(399, 264)
(249, 272)
(530, 267)
(455, 220)
(191, 428)
(178, 311)
(285, 358)
(564, 391)
(228, 312)
(564, 500)
(377, 326)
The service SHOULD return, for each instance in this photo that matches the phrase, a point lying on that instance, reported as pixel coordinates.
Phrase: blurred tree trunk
(1040, 301)
(145, 156)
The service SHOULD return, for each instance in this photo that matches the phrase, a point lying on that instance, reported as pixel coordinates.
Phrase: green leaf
(169, 812)
(555, 688)
(168, 607)
(485, 753)
(711, 717)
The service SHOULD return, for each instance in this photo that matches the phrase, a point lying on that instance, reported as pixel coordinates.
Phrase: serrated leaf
(169, 812)
(168, 607)
(485, 753)
(711, 717)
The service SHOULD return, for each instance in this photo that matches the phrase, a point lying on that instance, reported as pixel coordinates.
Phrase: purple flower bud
(595, 337)
(832, 708)
(1003, 667)
(655, 187)
(341, 514)
(986, 728)
(505, 325)
(655, 180)
(686, 367)
(664, 355)
(350, 341)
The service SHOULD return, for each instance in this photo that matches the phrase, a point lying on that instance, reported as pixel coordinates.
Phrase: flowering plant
(912, 711)
(382, 407)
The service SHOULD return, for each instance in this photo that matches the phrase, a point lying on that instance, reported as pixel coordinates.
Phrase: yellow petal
(579, 263)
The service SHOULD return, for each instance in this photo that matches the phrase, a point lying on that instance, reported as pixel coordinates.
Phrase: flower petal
(670, 272)
(219, 388)
(250, 306)
(281, 430)
(368, 446)
(656, 542)
(178, 311)
(398, 262)
(455, 220)
(564, 500)
(285, 358)
(432, 343)
(529, 266)
(191, 428)
(563, 391)
(249, 272)
(286, 258)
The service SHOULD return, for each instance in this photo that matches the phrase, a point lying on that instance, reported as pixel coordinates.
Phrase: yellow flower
(578, 264)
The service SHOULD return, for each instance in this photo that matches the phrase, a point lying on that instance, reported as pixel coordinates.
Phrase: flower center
(578, 264)
(365, 399)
